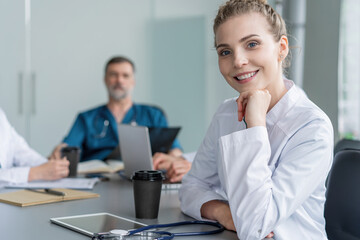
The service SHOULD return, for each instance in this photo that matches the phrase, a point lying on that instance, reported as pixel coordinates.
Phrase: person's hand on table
(178, 169)
(162, 161)
(52, 170)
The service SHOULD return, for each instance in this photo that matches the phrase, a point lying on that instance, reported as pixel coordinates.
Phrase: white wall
(71, 41)
(12, 60)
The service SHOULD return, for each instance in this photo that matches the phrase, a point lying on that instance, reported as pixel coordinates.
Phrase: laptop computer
(135, 148)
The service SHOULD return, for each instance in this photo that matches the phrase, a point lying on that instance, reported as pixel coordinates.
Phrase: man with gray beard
(95, 131)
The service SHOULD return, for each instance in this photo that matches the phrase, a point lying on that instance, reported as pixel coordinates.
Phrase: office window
(349, 70)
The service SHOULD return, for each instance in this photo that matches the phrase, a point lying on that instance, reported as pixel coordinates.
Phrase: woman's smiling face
(249, 56)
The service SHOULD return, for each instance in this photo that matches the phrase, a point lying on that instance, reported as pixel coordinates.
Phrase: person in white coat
(19, 163)
(261, 169)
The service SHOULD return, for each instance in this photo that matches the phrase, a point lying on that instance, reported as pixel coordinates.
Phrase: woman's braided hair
(239, 7)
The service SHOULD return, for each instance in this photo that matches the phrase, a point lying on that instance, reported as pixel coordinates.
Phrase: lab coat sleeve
(260, 199)
(77, 133)
(189, 156)
(201, 183)
(20, 158)
(24, 155)
(14, 175)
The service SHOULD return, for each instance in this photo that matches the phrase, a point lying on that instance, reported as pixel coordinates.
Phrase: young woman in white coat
(261, 169)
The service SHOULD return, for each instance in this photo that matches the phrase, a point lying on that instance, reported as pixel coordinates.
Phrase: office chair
(342, 206)
(346, 144)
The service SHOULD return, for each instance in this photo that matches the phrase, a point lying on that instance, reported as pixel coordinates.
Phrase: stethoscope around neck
(143, 233)
(106, 123)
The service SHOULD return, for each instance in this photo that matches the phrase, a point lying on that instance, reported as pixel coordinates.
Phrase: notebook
(25, 198)
(135, 148)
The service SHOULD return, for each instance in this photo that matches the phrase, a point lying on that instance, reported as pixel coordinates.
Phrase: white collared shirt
(273, 178)
(16, 157)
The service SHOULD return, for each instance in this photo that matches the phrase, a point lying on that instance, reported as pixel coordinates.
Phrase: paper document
(99, 166)
(73, 183)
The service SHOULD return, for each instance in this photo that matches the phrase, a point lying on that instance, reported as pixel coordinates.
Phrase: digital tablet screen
(95, 223)
(161, 139)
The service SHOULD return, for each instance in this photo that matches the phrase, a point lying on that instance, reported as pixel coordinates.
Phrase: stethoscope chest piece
(103, 126)
(119, 234)
(146, 235)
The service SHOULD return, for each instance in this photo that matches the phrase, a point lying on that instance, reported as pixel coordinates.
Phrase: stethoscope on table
(143, 234)
(106, 123)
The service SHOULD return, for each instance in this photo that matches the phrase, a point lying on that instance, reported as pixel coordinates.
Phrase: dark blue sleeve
(77, 133)
(176, 144)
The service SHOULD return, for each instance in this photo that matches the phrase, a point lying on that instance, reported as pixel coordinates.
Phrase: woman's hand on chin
(253, 105)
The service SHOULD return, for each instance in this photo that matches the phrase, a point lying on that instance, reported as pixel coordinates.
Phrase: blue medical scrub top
(97, 139)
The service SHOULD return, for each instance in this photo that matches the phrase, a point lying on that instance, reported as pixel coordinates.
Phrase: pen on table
(57, 193)
(47, 191)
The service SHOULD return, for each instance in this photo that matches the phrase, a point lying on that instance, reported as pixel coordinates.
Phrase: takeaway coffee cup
(147, 191)
(73, 155)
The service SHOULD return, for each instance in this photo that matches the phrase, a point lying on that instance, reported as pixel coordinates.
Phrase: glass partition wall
(53, 55)
(349, 71)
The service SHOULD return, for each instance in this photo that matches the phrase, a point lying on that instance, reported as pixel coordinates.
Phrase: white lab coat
(273, 178)
(16, 157)
(189, 156)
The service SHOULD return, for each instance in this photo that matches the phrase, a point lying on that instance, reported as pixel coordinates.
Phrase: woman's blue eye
(252, 44)
(224, 53)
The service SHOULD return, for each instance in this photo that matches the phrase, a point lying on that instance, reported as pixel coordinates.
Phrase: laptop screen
(135, 148)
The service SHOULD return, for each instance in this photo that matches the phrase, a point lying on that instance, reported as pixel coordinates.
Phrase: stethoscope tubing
(219, 229)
